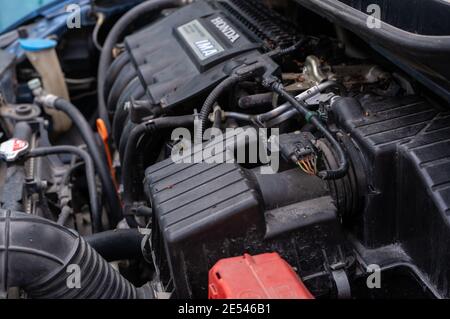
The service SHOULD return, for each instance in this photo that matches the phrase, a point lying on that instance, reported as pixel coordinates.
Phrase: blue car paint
(53, 23)
(40, 12)
(53, 20)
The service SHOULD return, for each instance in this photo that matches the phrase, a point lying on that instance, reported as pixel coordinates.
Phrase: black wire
(129, 164)
(96, 215)
(313, 118)
(210, 101)
(113, 202)
(277, 53)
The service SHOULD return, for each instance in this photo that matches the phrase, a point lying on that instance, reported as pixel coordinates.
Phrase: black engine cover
(197, 46)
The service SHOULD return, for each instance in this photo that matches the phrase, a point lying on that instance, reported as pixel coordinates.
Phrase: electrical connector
(296, 146)
(299, 148)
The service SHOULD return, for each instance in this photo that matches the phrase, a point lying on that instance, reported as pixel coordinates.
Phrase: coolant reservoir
(42, 55)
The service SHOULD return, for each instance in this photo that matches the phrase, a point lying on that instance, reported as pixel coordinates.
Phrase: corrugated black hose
(210, 101)
(50, 261)
(241, 73)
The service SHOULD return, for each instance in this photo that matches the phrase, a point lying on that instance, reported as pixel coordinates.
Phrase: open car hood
(415, 35)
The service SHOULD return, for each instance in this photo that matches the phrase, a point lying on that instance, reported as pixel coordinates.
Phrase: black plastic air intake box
(196, 204)
(405, 148)
(207, 211)
(378, 125)
(191, 50)
(424, 218)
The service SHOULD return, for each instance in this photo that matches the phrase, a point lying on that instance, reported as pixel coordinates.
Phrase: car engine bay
(305, 157)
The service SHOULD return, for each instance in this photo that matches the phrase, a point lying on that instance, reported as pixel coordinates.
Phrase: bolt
(23, 109)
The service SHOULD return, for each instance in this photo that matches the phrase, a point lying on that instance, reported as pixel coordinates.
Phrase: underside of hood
(414, 34)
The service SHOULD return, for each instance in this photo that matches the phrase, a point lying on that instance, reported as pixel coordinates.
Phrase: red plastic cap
(265, 276)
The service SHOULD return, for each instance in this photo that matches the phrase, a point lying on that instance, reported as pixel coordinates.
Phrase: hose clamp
(47, 100)
(310, 115)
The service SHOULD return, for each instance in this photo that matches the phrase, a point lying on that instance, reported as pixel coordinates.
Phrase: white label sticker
(200, 40)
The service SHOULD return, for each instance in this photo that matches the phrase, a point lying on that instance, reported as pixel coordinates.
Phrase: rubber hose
(124, 138)
(135, 91)
(129, 160)
(128, 170)
(114, 70)
(288, 187)
(66, 211)
(43, 258)
(217, 118)
(96, 213)
(210, 101)
(282, 52)
(312, 118)
(341, 171)
(120, 244)
(113, 201)
(125, 77)
(23, 131)
(256, 101)
(113, 38)
(239, 74)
